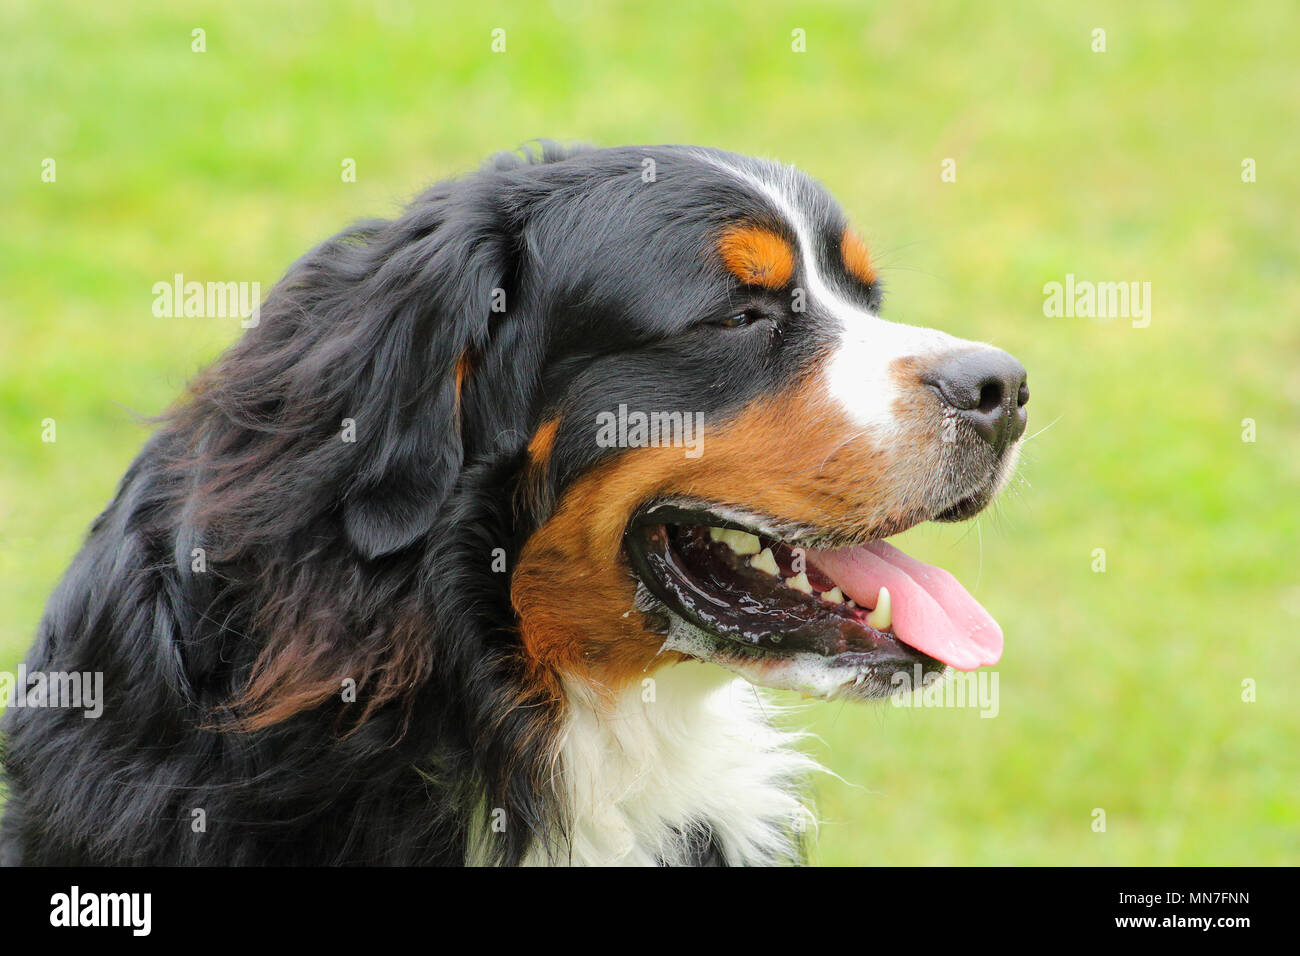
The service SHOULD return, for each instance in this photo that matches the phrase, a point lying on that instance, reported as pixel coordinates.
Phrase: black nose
(988, 388)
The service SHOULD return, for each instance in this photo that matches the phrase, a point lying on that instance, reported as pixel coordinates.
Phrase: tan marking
(857, 260)
(757, 256)
(539, 449)
(464, 364)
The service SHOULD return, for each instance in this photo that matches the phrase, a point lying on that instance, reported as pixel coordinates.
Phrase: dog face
(500, 350)
(730, 298)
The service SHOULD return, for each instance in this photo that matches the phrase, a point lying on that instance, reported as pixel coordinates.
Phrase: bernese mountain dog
(477, 546)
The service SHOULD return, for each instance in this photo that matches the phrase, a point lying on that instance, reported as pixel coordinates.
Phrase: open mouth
(842, 622)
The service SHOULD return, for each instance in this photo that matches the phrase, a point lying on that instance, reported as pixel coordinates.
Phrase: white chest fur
(690, 746)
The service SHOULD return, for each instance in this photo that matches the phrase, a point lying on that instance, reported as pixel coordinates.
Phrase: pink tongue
(931, 611)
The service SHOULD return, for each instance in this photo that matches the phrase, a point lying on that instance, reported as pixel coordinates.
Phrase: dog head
(726, 429)
(651, 391)
(721, 429)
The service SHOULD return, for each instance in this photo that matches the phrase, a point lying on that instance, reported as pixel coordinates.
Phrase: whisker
(1046, 427)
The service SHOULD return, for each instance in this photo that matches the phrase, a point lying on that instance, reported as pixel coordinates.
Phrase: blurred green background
(1119, 690)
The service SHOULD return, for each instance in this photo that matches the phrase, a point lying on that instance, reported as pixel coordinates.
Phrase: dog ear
(442, 275)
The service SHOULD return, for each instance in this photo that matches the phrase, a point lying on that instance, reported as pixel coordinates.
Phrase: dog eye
(739, 320)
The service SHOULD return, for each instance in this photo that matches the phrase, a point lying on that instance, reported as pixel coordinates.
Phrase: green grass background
(1119, 690)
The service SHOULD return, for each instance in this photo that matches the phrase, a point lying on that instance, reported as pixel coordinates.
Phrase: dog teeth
(762, 559)
(741, 542)
(765, 561)
(883, 615)
(800, 582)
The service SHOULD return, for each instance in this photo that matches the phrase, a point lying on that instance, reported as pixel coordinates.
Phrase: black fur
(372, 559)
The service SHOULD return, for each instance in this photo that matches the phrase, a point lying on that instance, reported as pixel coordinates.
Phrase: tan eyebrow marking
(856, 258)
(757, 256)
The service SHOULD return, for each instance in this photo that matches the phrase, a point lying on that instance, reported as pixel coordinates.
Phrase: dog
(475, 548)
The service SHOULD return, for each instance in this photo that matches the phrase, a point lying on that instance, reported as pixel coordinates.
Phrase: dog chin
(847, 676)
